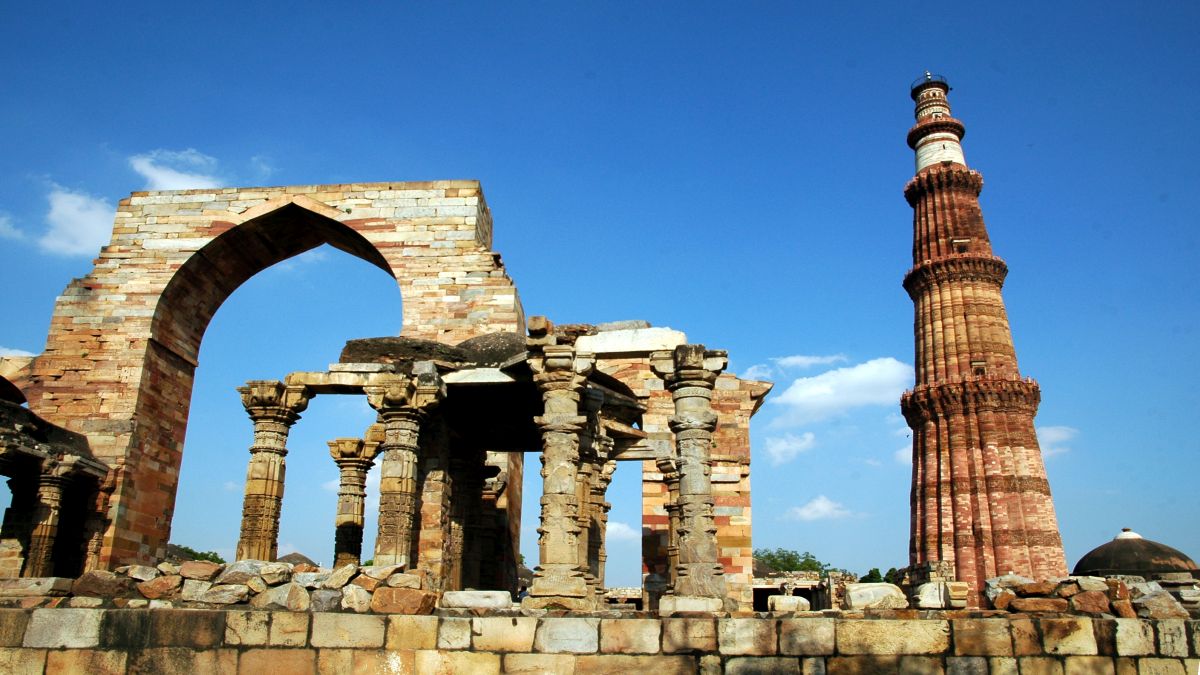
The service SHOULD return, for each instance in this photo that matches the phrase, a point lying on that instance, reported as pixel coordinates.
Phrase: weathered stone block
(1038, 605)
(1149, 666)
(201, 570)
(862, 665)
(503, 634)
(1172, 638)
(412, 632)
(292, 597)
(198, 629)
(225, 594)
(289, 629)
(193, 589)
(1003, 665)
(183, 660)
(12, 627)
(1025, 638)
(347, 630)
(404, 580)
(338, 661)
(630, 636)
(439, 662)
(290, 661)
(674, 604)
(355, 598)
(247, 628)
(874, 596)
(964, 665)
(340, 577)
(1089, 665)
(275, 573)
(92, 662)
(538, 664)
(1159, 605)
(454, 634)
(567, 636)
(141, 572)
(893, 637)
(161, 586)
(1134, 637)
(749, 665)
(326, 600)
(689, 635)
(24, 588)
(1068, 636)
(1090, 602)
(104, 584)
(388, 600)
(982, 637)
(55, 628)
(240, 572)
(19, 661)
(1040, 665)
(807, 637)
(788, 603)
(746, 637)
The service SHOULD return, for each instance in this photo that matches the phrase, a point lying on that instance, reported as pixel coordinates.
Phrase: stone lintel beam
(403, 402)
(690, 372)
(273, 407)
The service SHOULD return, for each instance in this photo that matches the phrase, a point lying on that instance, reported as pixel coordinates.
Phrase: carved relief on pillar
(274, 408)
(403, 403)
(560, 374)
(598, 553)
(690, 373)
(669, 469)
(54, 476)
(354, 458)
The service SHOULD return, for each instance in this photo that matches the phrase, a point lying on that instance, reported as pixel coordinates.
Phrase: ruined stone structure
(461, 396)
(980, 498)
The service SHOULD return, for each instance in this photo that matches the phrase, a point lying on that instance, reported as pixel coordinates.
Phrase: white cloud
(9, 351)
(8, 230)
(811, 399)
(232, 486)
(309, 257)
(262, 166)
(904, 455)
(618, 531)
(1053, 439)
(176, 169)
(79, 223)
(783, 449)
(820, 508)
(758, 371)
(801, 361)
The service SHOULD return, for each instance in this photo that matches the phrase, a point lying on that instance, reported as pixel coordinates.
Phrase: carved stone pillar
(600, 507)
(354, 458)
(590, 449)
(403, 403)
(690, 374)
(560, 373)
(670, 472)
(274, 408)
(51, 482)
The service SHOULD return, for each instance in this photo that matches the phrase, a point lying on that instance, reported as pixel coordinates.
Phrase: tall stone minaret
(980, 498)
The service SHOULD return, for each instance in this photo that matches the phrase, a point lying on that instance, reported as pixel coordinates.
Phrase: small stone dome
(1131, 554)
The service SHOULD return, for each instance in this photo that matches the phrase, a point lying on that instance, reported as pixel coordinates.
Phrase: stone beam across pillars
(274, 408)
(403, 403)
(560, 374)
(354, 458)
(690, 372)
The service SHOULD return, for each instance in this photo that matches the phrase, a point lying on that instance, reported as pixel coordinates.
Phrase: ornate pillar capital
(272, 398)
(415, 394)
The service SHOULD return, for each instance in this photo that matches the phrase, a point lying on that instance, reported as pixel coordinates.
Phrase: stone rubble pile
(1095, 596)
(382, 589)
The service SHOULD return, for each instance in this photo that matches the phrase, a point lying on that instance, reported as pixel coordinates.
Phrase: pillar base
(573, 604)
(672, 604)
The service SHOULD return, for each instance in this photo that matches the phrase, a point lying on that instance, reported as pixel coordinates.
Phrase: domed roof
(1130, 553)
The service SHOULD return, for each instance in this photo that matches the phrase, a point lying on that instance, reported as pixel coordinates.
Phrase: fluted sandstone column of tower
(980, 498)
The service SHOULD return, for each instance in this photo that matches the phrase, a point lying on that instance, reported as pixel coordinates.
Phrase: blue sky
(730, 170)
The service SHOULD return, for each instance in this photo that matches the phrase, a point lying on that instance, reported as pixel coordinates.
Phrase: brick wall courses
(120, 641)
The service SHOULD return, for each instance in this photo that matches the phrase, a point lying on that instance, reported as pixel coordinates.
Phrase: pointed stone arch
(124, 340)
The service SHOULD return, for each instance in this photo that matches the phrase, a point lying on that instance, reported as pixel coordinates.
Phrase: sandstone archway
(124, 340)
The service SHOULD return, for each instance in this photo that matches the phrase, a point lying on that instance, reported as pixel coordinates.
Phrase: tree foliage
(210, 556)
(872, 576)
(786, 560)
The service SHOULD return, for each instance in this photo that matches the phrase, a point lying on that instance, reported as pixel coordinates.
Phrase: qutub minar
(980, 498)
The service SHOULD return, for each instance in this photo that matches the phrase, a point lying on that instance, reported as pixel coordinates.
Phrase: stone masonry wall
(123, 343)
(209, 641)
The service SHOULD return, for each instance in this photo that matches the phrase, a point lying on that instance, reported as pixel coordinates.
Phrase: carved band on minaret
(980, 498)
(274, 408)
(403, 402)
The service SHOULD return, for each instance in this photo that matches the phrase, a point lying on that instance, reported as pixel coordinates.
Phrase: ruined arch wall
(121, 352)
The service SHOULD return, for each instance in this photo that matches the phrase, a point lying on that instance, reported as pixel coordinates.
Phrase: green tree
(894, 576)
(210, 556)
(872, 576)
(786, 560)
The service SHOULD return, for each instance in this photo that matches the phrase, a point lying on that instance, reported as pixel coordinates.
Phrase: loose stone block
(1134, 637)
(193, 589)
(403, 580)
(355, 599)
(689, 635)
(1068, 636)
(893, 637)
(55, 628)
(755, 637)
(567, 636)
(1038, 605)
(247, 628)
(289, 629)
(160, 587)
(454, 634)
(476, 599)
(1089, 665)
(92, 662)
(806, 637)
(17, 661)
(24, 588)
(340, 577)
(982, 637)
(104, 584)
(291, 661)
(88, 603)
(788, 603)
(347, 630)
(412, 632)
(201, 570)
(504, 634)
(325, 600)
(874, 596)
(758, 665)
(142, 572)
(388, 600)
(225, 594)
(292, 597)
(451, 663)
(630, 636)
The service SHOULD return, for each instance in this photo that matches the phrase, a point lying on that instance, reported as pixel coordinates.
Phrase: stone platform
(247, 641)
